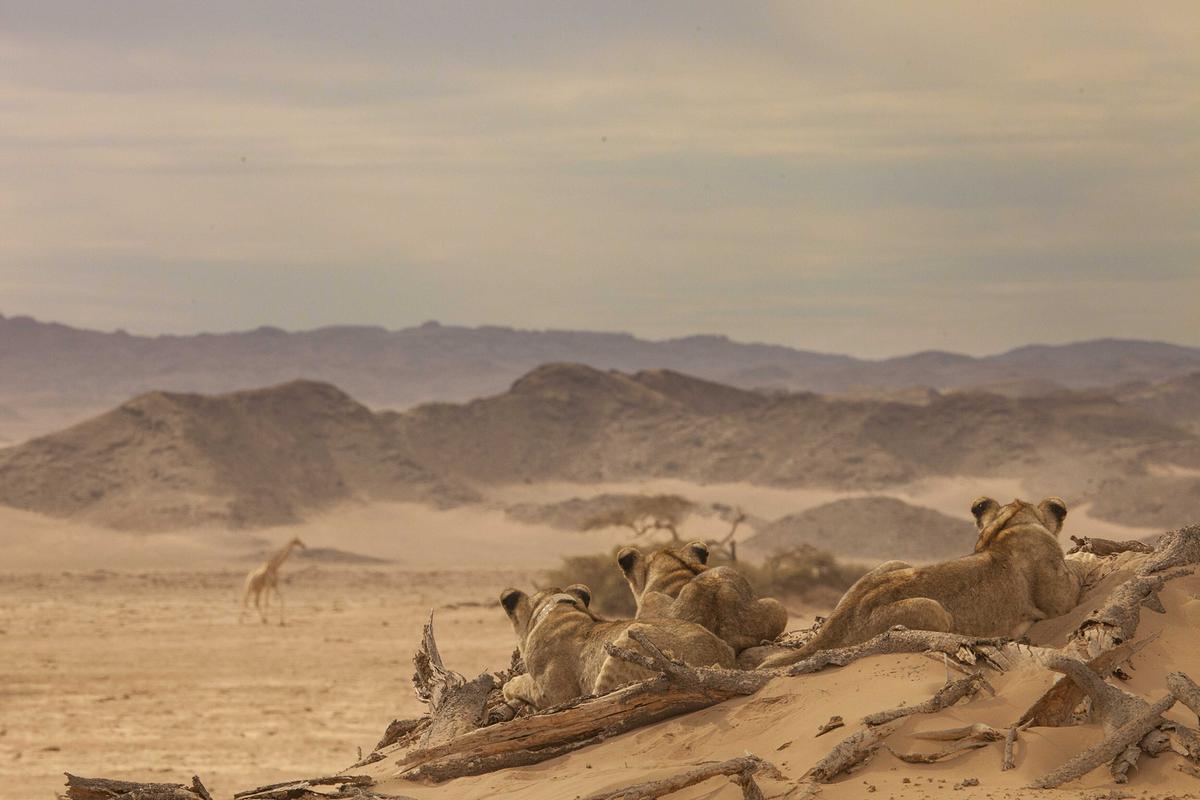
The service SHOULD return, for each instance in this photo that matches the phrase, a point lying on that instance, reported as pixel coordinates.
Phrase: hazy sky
(871, 178)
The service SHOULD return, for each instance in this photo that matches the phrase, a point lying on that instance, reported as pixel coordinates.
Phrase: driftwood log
(740, 770)
(853, 751)
(968, 649)
(1056, 707)
(1110, 748)
(342, 787)
(945, 697)
(1107, 547)
(456, 705)
(79, 788)
(529, 740)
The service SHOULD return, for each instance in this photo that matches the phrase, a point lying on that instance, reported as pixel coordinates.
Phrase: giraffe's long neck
(280, 557)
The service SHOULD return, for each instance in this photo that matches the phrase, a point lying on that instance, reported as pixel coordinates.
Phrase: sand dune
(780, 721)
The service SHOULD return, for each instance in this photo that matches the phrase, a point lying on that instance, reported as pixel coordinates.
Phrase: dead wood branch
(1118, 619)
(295, 789)
(1175, 549)
(402, 730)
(966, 738)
(1186, 742)
(1008, 761)
(1112, 707)
(1056, 707)
(968, 649)
(79, 788)
(529, 740)
(945, 697)
(1109, 748)
(956, 749)
(979, 731)
(456, 706)
(345, 787)
(732, 682)
(1185, 690)
(854, 750)
(834, 723)
(741, 770)
(1107, 547)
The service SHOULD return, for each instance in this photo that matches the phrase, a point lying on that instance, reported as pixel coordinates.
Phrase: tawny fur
(676, 583)
(562, 644)
(264, 580)
(1016, 577)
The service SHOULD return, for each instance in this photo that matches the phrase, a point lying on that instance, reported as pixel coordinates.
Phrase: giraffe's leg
(265, 609)
(279, 597)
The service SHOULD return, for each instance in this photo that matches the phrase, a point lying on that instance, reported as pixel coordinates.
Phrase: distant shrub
(804, 573)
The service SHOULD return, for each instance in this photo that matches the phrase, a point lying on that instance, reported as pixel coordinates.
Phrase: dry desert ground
(122, 655)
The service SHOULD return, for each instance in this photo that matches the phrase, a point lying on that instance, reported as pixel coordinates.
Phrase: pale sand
(780, 721)
(146, 674)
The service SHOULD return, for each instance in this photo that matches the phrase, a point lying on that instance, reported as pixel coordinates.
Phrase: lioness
(677, 583)
(562, 643)
(1015, 577)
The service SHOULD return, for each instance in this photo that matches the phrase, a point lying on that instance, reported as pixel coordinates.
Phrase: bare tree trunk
(455, 706)
(79, 788)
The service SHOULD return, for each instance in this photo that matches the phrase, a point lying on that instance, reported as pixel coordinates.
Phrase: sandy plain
(122, 655)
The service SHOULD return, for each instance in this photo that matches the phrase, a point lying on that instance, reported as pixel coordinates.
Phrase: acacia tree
(726, 547)
(645, 513)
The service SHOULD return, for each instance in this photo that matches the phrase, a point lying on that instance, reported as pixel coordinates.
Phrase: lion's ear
(1053, 511)
(699, 551)
(582, 592)
(627, 557)
(509, 598)
(982, 508)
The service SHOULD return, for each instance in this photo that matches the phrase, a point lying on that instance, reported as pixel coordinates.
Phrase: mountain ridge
(274, 455)
(56, 373)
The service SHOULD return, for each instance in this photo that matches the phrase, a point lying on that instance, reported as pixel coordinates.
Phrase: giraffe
(266, 579)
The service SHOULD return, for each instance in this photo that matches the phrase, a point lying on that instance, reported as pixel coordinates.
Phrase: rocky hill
(262, 457)
(863, 527)
(61, 372)
(271, 455)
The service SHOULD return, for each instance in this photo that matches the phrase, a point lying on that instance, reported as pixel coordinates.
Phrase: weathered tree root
(1117, 621)
(1054, 709)
(945, 697)
(1107, 547)
(1175, 549)
(833, 724)
(1185, 690)
(347, 786)
(79, 788)
(967, 649)
(966, 738)
(456, 706)
(1008, 761)
(954, 750)
(853, 751)
(741, 770)
(529, 740)
(1112, 746)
